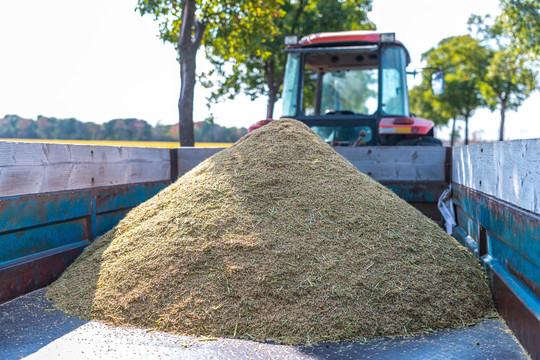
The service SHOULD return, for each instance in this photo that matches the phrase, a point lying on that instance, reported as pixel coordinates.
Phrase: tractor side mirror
(437, 83)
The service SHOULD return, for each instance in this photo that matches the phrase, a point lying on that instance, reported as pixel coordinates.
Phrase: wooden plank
(508, 170)
(398, 163)
(467, 223)
(35, 223)
(394, 163)
(189, 157)
(29, 168)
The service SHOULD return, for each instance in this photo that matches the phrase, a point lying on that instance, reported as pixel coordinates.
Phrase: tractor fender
(405, 126)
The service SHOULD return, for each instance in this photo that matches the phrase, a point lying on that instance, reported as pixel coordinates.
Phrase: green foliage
(426, 105)
(520, 21)
(13, 126)
(508, 80)
(223, 20)
(255, 65)
(464, 61)
(188, 24)
(208, 132)
(510, 76)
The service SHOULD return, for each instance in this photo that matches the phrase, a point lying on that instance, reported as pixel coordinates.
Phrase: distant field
(153, 144)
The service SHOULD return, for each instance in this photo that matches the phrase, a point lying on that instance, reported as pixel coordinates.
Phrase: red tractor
(351, 88)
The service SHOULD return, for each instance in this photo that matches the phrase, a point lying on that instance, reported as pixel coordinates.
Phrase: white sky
(99, 60)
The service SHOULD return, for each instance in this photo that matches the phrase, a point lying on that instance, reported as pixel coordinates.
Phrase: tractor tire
(420, 141)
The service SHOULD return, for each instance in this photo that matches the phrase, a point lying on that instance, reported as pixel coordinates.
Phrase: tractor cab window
(340, 84)
(394, 82)
(290, 85)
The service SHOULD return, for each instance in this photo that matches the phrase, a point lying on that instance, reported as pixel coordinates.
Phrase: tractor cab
(351, 89)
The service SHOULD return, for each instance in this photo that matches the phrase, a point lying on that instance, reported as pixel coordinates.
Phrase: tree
(507, 84)
(185, 23)
(464, 61)
(510, 77)
(520, 20)
(257, 67)
(427, 105)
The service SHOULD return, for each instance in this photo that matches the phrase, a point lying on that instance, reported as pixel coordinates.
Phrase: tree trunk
(273, 86)
(466, 130)
(453, 133)
(503, 115)
(187, 53)
(272, 97)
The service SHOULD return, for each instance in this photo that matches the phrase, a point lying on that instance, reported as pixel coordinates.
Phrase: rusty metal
(113, 198)
(417, 191)
(524, 320)
(535, 288)
(174, 164)
(430, 210)
(33, 272)
(482, 241)
(507, 240)
(41, 234)
(448, 165)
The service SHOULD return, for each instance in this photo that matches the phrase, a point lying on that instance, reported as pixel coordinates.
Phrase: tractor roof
(347, 38)
(340, 37)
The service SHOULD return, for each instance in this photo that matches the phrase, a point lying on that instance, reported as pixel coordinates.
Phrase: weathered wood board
(399, 163)
(31, 168)
(395, 163)
(508, 170)
(189, 157)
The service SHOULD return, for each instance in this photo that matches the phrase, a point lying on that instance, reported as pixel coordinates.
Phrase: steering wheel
(339, 112)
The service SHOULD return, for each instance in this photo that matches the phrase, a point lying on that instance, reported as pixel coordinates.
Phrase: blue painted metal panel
(417, 191)
(121, 197)
(509, 245)
(35, 271)
(34, 240)
(465, 240)
(33, 210)
(517, 304)
(468, 224)
(32, 226)
(107, 221)
(508, 258)
(517, 229)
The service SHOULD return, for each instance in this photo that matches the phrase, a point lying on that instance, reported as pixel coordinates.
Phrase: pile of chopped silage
(276, 238)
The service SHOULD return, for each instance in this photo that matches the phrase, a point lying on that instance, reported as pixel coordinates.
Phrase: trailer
(56, 199)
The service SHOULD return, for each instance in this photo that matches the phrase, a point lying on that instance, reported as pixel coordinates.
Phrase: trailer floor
(31, 328)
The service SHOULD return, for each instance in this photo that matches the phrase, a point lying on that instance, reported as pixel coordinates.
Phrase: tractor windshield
(346, 82)
(340, 83)
(343, 92)
(394, 82)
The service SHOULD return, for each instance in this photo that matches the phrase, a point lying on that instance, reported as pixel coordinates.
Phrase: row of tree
(243, 40)
(13, 126)
(494, 67)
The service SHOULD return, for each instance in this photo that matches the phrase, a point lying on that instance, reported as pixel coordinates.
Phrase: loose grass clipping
(276, 238)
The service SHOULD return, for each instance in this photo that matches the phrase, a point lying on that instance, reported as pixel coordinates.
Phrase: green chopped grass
(276, 238)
